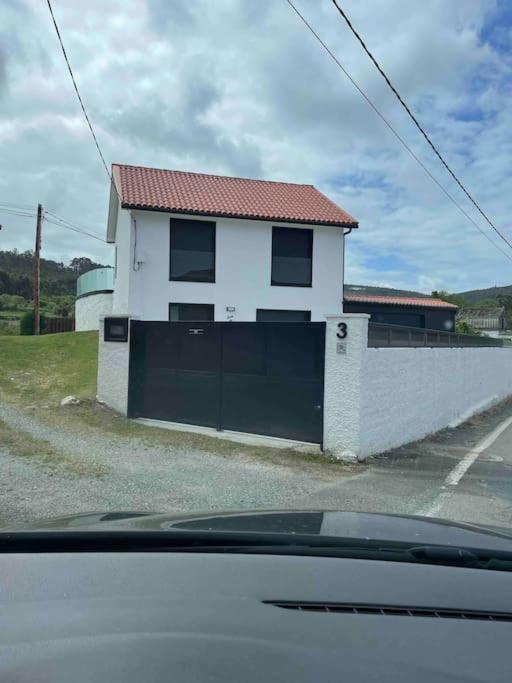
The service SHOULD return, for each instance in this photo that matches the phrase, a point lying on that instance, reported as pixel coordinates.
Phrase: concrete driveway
(47, 471)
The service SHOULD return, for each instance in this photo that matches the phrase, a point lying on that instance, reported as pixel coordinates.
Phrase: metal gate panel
(272, 379)
(260, 378)
(174, 372)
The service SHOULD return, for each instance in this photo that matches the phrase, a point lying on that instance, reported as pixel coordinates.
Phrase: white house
(191, 246)
(195, 247)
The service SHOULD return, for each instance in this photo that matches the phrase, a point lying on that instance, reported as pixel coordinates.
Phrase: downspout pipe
(349, 230)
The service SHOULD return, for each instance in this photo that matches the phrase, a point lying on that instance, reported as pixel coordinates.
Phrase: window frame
(195, 221)
(284, 310)
(285, 284)
(188, 303)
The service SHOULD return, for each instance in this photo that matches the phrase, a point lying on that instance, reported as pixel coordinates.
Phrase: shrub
(27, 323)
(12, 302)
(462, 327)
(8, 328)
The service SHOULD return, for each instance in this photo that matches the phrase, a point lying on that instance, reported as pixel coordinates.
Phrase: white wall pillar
(342, 384)
(113, 369)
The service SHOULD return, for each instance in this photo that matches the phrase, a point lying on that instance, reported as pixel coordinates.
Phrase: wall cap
(357, 316)
(115, 315)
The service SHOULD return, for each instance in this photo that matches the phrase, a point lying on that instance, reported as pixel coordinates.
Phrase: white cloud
(240, 87)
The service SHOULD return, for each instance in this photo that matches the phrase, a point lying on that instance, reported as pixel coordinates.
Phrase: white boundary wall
(88, 310)
(377, 399)
(113, 370)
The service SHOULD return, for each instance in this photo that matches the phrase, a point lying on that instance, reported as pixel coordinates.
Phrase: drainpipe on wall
(345, 234)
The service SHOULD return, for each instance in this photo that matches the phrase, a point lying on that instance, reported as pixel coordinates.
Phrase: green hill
(475, 296)
(381, 291)
(17, 268)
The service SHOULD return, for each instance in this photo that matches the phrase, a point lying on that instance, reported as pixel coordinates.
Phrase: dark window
(407, 319)
(192, 251)
(190, 312)
(267, 315)
(292, 251)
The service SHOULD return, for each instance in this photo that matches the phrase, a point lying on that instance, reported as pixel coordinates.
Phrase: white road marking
(455, 475)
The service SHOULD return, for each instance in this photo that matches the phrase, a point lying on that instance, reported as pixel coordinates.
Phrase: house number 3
(342, 330)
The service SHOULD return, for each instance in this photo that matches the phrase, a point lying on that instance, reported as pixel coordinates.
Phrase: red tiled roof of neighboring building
(213, 195)
(424, 302)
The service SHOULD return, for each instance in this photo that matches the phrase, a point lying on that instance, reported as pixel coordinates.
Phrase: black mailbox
(115, 330)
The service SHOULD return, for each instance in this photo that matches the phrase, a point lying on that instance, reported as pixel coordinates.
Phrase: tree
(82, 264)
(463, 327)
(12, 302)
(455, 299)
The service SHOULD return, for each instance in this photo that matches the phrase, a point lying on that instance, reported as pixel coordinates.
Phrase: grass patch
(41, 452)
(45, 369)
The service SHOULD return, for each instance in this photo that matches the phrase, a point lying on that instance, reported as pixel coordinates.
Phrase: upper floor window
(192, 251)
(292, 257)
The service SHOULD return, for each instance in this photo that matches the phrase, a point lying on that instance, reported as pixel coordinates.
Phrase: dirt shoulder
(70, 463)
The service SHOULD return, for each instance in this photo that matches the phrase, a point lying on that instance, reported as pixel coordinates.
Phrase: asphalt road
(463, 474)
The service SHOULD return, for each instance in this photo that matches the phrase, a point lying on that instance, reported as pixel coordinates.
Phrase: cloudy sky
(239, 87)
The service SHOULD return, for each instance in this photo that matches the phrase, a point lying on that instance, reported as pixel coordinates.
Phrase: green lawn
(45, 369)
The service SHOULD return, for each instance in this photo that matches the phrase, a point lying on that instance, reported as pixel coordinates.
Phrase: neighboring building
(432, 314)
(94, 291)
(490, 321)
(191, 246)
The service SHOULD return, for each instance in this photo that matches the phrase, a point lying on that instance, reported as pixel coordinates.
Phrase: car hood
(332, 524)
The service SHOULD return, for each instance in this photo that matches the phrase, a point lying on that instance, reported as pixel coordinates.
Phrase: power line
(418, 125)
(17, 207)
(17, 213)
(59, 222)
(395, 132)
(80, 98)
(68, 227)
(28, 212)
(65, 220)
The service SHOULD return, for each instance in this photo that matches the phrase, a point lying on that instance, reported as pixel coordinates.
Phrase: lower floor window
(191, 312)
(272, 315)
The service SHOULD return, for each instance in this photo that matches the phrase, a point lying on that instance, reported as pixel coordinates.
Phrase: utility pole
(37, 271)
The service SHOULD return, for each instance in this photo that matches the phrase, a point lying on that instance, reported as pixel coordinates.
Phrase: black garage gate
(260, 378)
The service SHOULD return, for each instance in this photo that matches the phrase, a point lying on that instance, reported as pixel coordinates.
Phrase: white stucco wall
(342, 385)
(381, 398)
(88, 310)
(410, 393)
(124, 262)
(113, 371)
(243, 268)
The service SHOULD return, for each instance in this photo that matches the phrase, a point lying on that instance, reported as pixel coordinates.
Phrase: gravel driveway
(47, 471)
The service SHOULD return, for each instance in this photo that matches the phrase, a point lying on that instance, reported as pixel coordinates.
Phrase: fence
(55, 325)
(382, 335)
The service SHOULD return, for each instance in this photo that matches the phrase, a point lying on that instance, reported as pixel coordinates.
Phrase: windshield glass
(257, 256)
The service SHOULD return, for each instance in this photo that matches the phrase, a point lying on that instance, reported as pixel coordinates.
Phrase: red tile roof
(424, 302)
(212, 195)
